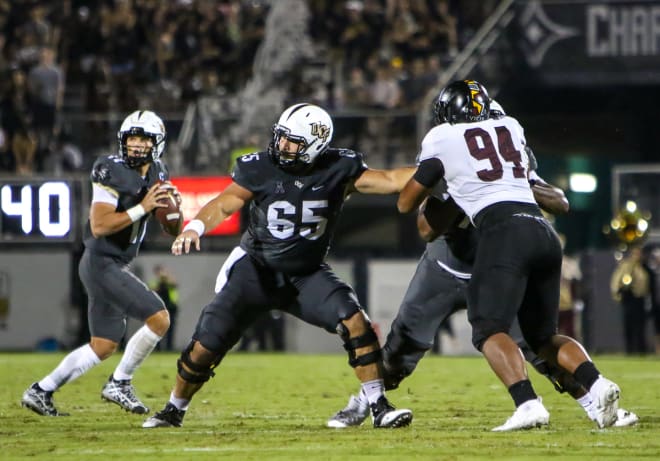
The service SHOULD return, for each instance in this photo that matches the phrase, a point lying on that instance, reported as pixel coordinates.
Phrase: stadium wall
(37, 292)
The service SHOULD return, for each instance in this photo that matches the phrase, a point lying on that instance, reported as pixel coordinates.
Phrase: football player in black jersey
(295, 190)
(517, 264)
(126, 189)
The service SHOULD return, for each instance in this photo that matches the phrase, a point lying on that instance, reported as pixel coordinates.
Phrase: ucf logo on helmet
(320, 131)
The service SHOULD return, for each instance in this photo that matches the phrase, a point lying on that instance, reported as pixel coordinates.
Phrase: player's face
(288, 148)
(139, 146)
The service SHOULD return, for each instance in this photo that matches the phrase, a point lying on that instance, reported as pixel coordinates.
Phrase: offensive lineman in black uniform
(296, 191)
(125, 192)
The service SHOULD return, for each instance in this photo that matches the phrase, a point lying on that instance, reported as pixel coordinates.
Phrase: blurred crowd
(635, 285)
(115, 55)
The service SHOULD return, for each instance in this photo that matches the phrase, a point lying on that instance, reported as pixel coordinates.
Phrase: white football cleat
(353, 414)
(528, 415)
(625, 418)
(606, 394)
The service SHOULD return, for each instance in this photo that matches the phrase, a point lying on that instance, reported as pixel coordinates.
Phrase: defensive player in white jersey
(439, 288)
(518, 261)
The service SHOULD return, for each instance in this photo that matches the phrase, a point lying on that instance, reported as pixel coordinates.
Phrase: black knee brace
(350, 344)
(198, 373)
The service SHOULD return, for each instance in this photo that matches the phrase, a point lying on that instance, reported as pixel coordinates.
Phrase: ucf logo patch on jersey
(101, 173)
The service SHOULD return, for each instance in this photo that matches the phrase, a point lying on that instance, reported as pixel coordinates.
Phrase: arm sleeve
(429, 172)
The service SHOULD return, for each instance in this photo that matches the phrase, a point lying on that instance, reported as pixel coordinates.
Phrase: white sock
(181, 404)
(598, 385)
(76, 363)
(362, 398)
(137, 349)
(373, 390)
(588, 403)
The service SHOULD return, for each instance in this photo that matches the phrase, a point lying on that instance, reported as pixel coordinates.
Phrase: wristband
(136, 212)
(195, 225)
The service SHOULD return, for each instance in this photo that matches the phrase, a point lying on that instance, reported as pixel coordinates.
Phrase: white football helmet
(306, 124)
(142, 123)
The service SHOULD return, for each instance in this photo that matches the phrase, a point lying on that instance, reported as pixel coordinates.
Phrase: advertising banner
(591, 42)
(197, 191)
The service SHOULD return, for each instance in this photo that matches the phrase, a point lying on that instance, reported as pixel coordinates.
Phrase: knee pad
(198, 373)
(351, 344)
(485, 328)
(537, 343)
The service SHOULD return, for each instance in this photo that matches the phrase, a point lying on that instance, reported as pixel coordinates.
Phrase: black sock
(586, 374)
(521, 392)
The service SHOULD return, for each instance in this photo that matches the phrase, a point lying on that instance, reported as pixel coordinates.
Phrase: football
(169, 217)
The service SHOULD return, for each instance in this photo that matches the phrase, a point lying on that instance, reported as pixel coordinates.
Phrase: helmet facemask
(146, 124)
(293, 161)
(307, 125)
(149, 155)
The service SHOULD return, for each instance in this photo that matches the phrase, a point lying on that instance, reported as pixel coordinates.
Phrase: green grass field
(274, 407)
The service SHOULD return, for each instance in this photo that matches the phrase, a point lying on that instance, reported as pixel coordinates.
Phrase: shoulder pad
(349, 162)
(347, 153)
(351, 154)
(251, 169)
(111, 171)
(102, 169)
(252, 157)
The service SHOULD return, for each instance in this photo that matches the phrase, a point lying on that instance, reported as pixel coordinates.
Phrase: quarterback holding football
(127, 188)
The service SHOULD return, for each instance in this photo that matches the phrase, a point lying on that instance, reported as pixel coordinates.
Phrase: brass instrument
(629, 226)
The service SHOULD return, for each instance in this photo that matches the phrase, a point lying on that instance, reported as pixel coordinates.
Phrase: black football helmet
(462, 101)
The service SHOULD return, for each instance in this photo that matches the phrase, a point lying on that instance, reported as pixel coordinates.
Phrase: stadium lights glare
(582, 182)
